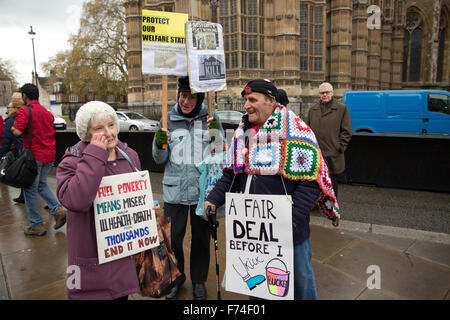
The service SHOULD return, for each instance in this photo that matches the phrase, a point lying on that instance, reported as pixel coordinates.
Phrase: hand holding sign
(162, 137)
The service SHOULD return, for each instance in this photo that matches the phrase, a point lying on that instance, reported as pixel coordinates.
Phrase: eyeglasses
(325, 92)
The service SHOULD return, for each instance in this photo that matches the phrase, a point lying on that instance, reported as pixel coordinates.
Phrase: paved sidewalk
(413, 264)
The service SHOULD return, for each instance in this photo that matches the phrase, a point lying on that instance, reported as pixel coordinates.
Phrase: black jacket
(9, 141)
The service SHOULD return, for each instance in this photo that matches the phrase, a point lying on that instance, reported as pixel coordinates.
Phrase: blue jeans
(304, 279)
(39, 186)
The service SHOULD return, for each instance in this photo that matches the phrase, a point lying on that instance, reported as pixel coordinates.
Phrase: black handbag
(20, 172)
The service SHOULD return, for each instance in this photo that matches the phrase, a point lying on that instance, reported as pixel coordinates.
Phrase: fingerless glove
(214, 124)
(161, 138)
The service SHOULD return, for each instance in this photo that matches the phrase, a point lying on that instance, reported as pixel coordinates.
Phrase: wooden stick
(164, 104)
(210, 109)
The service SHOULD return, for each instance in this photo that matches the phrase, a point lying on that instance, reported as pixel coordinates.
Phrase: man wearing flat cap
(188, 138)
(295, 168)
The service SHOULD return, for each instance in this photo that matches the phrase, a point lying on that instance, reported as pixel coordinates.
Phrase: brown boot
(60, 218)
(38, 230)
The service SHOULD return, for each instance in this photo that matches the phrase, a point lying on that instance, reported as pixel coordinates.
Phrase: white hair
(326, 84)
(90, 110)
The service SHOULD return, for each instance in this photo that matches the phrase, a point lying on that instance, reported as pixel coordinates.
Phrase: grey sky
(52, 20)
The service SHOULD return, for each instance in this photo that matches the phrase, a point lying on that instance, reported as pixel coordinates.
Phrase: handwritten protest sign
(259, 247)
(163, 43)
(206, 56)
(124, 220)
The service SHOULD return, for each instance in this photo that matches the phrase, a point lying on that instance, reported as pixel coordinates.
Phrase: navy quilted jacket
(304, 195)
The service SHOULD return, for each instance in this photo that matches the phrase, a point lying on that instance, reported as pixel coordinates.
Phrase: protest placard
(163, 43)
(125, 222)
(259, 246)
(206, 56)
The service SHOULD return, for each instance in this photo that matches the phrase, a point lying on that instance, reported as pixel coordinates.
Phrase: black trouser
(200, 239)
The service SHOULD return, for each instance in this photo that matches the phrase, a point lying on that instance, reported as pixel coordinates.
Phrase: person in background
(330, 120)
(79, 174)
(11, 142)
(282, 97)
(43, 149)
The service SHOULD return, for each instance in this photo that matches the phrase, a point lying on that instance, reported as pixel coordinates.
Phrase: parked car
(59, 123)
(133, 121)
(229, 118)
(399, 111)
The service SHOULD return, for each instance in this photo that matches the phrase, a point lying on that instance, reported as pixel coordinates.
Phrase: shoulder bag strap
(126, 157)
(30, 124)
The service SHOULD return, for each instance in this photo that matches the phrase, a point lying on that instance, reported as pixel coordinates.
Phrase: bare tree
(7, 72)
(96, 63)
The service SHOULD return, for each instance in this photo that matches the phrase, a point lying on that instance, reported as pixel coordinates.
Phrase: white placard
(259, 246)
(124, 219)
(206, 56)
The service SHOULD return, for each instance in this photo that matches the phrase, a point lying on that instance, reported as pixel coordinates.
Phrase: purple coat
(79, 175)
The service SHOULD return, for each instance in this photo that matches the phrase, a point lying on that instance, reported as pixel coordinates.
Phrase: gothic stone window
(249, 33)
(311, 38)
(412, 47)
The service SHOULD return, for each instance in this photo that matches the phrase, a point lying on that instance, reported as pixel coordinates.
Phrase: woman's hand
(99, 140)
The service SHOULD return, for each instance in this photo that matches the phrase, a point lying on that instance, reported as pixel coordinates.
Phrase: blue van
(399, 111)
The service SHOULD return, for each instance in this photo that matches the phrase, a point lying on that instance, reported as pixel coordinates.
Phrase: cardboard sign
(163, 43)
(259, 246)
(124, 219)
(206, 56)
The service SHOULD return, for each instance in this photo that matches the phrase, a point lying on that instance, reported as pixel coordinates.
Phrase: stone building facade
(354, 44)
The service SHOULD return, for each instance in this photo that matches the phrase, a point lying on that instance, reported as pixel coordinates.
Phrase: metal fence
(417, 162)
(153, 110)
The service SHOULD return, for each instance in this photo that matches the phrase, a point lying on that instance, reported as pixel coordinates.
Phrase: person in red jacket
(43, 148)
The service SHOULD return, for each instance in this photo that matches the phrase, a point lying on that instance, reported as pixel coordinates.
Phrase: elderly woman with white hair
(79, 175)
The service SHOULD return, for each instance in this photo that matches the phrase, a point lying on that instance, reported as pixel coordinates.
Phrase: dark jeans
(200, 242)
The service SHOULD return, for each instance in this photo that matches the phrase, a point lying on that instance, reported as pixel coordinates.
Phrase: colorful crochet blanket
(286, 146)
